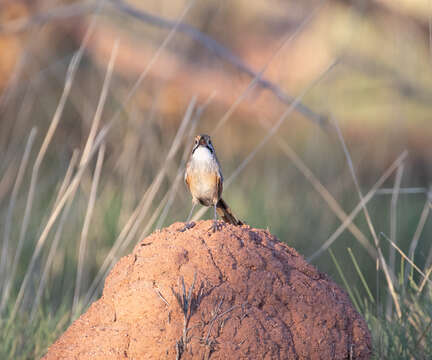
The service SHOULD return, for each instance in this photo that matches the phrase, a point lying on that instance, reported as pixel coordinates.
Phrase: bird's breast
(202, 176)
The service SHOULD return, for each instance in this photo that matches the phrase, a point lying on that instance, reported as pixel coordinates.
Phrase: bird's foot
(217, 226)
(188, 226)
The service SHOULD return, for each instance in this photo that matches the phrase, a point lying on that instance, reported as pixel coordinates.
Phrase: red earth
(238, 293)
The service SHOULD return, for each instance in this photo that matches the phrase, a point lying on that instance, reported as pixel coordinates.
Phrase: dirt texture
(238, 293)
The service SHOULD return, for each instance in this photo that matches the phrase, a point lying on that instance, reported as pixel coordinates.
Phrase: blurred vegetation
(378, 92)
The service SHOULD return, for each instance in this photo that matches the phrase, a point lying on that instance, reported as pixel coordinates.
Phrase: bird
(204, 179)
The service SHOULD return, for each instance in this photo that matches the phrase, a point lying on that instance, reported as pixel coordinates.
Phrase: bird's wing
(186, 174)
(219, 182)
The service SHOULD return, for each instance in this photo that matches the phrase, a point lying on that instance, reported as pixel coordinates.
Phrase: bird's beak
(202, 141)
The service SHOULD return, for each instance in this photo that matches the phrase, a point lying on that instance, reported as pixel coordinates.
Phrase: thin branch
(222, 52)
(288, 38)
(58, 13)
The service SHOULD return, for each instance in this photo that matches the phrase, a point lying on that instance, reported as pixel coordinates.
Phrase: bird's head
(203, 140)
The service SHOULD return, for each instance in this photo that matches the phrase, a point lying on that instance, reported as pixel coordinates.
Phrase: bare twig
(258, 76)
(221, 52)
(157, 291)
(58, 13)
(185, 300)
(215, 316)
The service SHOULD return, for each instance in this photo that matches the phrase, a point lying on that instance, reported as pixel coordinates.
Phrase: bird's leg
(215, 222)
(189, 225)
(191, 212)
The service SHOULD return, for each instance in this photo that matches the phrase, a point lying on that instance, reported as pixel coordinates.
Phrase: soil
(238, 293)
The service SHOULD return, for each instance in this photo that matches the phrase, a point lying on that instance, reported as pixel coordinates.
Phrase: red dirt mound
(235, 294)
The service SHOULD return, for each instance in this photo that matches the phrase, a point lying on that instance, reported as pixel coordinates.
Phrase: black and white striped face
(203, 140)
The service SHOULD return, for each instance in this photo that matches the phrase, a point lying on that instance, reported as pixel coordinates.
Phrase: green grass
(394, 337)
(25, 339)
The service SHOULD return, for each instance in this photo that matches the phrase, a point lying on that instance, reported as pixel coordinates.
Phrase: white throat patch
(202, 154)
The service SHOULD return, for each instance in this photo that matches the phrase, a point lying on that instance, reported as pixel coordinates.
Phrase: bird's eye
(196, 142)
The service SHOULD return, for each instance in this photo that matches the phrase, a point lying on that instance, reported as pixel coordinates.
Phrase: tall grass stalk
(359, 206)
(10, 210)
(369, 221)
(84, 158)
(393, 227)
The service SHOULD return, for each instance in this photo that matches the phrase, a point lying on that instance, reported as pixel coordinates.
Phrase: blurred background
(100, 101)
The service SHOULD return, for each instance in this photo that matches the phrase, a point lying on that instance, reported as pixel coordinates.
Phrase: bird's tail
(226, 214)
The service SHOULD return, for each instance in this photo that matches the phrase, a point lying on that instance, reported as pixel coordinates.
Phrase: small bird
(204, 180)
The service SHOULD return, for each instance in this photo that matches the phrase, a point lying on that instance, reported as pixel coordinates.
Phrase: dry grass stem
(86, 152)
(393, 212)
(10, 210)
(272, 131)
(101, 104)
(419, 229)
(393, 228)
(359, 206)
(132, 225)
(392, 243)
(326, 195)
(59, 232)
(85, 229)
(68, 176)
(407, 191)
(70, 76)
(369, 221)
(425, 279)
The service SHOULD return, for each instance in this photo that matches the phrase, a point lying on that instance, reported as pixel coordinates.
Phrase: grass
(406, 336)
(80, 186)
